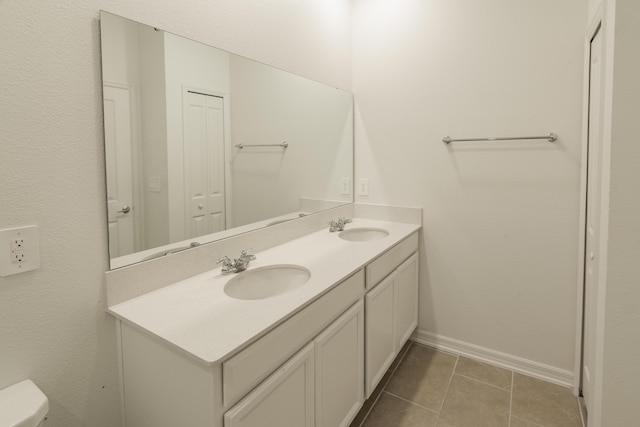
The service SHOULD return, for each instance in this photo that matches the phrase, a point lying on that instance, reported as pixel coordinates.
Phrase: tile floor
(428, 388)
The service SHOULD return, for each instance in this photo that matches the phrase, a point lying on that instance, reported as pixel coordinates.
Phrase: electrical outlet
(345, 185)
(18, 254)
(363, 187)
(19, 250)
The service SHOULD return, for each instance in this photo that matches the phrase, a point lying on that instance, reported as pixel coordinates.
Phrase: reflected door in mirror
(117, 127)
(204, 163)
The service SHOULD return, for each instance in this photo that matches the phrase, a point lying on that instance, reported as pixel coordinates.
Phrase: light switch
(19, 250)
(154, 184)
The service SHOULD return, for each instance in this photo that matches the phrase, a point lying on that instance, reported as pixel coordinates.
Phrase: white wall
(500, 218)
(269, 107)
(53, 327)
(152, 221)
(592, 9)
(121, 51)
(621, 345)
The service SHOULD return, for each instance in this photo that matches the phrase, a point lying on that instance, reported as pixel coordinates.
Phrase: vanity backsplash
(138, 279)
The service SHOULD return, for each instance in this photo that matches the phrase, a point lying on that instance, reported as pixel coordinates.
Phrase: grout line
(447, 391)
(485, 383)
(529, 422)
(410, 401)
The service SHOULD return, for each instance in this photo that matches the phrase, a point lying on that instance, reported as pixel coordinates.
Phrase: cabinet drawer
(249, 367)
(380, 268)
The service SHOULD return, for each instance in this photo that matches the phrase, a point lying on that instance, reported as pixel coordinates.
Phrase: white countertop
(197, 317)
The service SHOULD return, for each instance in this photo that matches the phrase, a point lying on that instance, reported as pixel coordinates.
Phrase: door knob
(125, 209)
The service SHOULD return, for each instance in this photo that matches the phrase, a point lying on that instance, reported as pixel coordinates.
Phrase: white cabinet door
(339, 360)
(380, 332)
(407, 300)
(286, 398)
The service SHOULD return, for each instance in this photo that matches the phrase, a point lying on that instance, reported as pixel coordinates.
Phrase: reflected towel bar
(284, 144)
(551, 137)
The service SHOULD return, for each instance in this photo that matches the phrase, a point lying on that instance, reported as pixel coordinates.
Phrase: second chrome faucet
(236, 265)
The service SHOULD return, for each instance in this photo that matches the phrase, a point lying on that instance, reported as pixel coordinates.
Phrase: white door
(592, 222)
(118, 152)
(286, 398)
(204, 164)
(339, 364)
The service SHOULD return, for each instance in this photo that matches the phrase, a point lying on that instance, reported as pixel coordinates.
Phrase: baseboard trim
(492, 357)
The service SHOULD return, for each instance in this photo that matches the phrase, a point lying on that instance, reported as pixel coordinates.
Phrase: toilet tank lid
(22, 405)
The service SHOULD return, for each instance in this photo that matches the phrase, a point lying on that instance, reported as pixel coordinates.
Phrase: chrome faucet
(338, 225)
(236, 265)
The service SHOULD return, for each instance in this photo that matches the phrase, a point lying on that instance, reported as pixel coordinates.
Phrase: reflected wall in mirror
(202, 144)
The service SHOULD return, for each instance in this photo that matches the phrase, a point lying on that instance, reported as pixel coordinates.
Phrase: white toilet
(23, 405)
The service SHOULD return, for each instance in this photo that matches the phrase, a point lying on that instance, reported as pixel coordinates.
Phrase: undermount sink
(266, 282)
(363, 234)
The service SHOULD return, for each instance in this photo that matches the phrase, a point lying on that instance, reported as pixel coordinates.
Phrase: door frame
(596, 26)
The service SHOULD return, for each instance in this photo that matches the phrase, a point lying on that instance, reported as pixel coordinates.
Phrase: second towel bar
(284, 144)
(551, 137)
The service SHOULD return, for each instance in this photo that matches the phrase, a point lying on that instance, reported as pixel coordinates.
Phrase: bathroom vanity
(191, 355)
(302, 337)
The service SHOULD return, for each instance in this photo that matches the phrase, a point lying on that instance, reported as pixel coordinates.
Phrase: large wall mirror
(203, 144)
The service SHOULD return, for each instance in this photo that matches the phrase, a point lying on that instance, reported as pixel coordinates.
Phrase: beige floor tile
(391, 411)
(544, 403)
(400, 355)
(366, 407)
(484, 372)
(473, 403)
(519, 422)
(422, 376)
